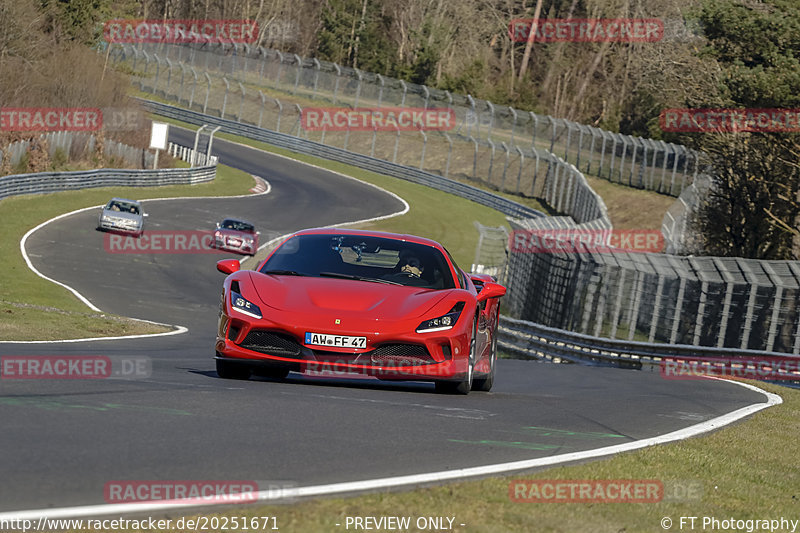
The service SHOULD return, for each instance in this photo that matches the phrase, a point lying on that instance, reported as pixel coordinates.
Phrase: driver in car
(411, 269)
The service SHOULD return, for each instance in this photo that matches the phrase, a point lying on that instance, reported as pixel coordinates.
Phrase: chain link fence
(654, 298)
(269, 89)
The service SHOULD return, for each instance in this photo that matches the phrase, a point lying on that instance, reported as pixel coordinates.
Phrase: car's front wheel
(228, 370)
(465, 385)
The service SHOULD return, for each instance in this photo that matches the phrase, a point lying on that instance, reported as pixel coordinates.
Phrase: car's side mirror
(228, 266)
(145, 215)
(217, 225)
(491, 290)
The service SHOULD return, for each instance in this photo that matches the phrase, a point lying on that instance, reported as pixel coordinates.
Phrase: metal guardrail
(296, 144)
(536, 341)
(47, 182)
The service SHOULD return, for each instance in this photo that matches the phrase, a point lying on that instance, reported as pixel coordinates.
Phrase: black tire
(465, 385)
(228, 370)
(484, 384)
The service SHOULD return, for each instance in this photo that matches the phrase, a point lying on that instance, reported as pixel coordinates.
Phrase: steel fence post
(338, 78)
(553, 135)
(491, 119)
(474, 158)
(241, 103)
(505, 166)
(299, 118)
(280, 69)
(317, 67)
(491, 161)
(208, 90)
(194, 86)
(424, 144)
(474, 116)
(246, 58)
(180, 88)
(280, 113)
(519, 170)
(449, 155)
(674, 168)
(263, 103)
(225, 97)
(297, 75)
(158, 72)
(263, 52)
(513, 124)
(535, 119)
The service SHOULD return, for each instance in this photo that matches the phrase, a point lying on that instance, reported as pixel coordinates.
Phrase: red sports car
(395, 307)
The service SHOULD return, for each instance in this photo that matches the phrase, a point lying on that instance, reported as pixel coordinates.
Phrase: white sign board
(158, 136)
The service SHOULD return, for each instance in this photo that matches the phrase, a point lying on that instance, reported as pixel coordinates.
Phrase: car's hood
(121, 214)
(310, 294)
(235, 233)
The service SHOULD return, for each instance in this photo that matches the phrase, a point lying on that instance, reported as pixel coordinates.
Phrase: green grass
(22, 287)
(745, 471)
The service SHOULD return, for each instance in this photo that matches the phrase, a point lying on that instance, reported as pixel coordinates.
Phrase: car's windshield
(237, 225)
(358, 257)
(123, 207)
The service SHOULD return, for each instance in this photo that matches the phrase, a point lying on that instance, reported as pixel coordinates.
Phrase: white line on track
(413, 480)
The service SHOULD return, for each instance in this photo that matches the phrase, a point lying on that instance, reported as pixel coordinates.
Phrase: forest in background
(714, 54)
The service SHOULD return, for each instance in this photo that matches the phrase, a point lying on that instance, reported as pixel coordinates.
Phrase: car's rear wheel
(465, 385)
(484, 384)
(228, 370)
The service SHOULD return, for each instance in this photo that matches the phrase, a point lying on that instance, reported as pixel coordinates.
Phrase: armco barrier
(529, 339)
(47, 182)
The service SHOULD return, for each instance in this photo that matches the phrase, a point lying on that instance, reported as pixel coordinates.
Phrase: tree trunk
(529, 44)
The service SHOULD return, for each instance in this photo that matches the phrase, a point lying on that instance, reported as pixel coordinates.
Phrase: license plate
(234, 241)
(335, 341)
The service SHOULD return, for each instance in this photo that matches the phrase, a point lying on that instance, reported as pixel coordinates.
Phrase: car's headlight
(239, 303)
(442, 323)
(105, 218)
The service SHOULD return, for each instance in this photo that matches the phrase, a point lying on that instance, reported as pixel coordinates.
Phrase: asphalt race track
(63, 440)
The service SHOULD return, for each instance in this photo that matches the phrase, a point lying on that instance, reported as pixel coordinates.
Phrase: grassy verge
(631, 208)
(35, 309)
(745, 472)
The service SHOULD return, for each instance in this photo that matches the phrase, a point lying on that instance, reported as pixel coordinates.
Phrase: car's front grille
(393, 355)
(271, 343)
(401, 355)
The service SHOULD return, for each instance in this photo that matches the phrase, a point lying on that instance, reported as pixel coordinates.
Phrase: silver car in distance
(122, 215)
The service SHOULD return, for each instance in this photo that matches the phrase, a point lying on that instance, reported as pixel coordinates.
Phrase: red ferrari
(395, 307)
